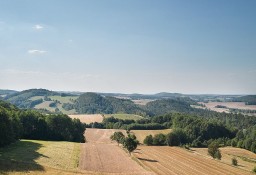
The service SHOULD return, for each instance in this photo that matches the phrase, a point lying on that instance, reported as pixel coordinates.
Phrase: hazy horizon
(146, 47)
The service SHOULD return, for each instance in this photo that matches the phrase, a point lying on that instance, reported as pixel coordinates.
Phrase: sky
(129, 46)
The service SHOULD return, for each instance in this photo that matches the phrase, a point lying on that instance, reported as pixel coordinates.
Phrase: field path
(174, 160)
(101, 155)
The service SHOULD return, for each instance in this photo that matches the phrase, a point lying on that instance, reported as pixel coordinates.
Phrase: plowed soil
(101, 155)
(173, 160)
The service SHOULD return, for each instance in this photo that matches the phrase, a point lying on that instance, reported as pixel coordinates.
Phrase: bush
(130, 144)
(218, 154)
(148, 140)
(213, 150)
(172, 139)
(159, 139)
(254, 170)
(234, 161)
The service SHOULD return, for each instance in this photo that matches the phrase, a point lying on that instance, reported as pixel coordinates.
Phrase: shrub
(148, 140)
(254, 170)
(159, 139)
(234, 161)
(213, 150)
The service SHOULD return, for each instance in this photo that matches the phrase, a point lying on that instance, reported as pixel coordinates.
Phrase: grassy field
(124, 116)
(141, 134)
(37, 156)
(45, 105)
(63, 99)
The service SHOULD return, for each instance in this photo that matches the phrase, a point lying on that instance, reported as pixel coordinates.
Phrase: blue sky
(133, 46)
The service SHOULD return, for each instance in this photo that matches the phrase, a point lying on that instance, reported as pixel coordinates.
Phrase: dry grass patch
(34, 156)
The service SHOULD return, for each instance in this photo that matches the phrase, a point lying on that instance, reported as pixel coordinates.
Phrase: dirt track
(99, 154)
(173, 160)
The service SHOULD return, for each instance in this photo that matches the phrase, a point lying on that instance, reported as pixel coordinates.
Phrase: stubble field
(174, 160)
(88, 118)
(102, 155)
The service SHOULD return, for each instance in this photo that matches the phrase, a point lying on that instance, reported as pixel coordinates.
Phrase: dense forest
(93, 103)
(27, 124)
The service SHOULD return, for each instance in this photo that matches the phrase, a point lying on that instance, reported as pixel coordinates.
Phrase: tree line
(27, 124)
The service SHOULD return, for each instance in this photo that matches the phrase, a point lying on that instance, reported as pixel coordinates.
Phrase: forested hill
(94, 103)
(22, 99)
(164, 106)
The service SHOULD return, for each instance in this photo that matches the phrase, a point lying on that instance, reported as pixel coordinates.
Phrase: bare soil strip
(99, 154)
(174, 160)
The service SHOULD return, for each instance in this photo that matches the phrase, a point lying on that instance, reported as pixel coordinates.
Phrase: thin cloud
(36, 52)
(38, 27)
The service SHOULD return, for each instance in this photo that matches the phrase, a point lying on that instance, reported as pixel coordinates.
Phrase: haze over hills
(92, 103)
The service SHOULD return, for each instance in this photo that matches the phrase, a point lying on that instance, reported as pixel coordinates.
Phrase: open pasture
(39, 157)
(124, 116)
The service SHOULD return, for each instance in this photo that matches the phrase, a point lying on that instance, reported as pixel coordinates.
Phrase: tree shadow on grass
(20, 157)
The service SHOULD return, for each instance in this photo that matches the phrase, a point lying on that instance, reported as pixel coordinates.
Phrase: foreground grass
(124, 116)
(36, 156)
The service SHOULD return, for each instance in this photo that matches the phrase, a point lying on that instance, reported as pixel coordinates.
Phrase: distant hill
(164, 106)
(5, 92)
(93, 103)
(108, 103)
(248, 99)
(22, 99)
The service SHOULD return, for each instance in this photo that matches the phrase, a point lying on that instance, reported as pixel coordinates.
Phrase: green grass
(63, 99)
(124, 116)
(33, 155)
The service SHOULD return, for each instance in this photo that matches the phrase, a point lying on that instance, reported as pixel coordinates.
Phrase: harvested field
(174, 160)
(235, 105)
(246, 159)
(101, 155)
(88, 118)
(141, 134)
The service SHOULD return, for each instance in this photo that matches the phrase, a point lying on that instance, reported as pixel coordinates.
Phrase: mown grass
(124, 116)
(33, 155)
